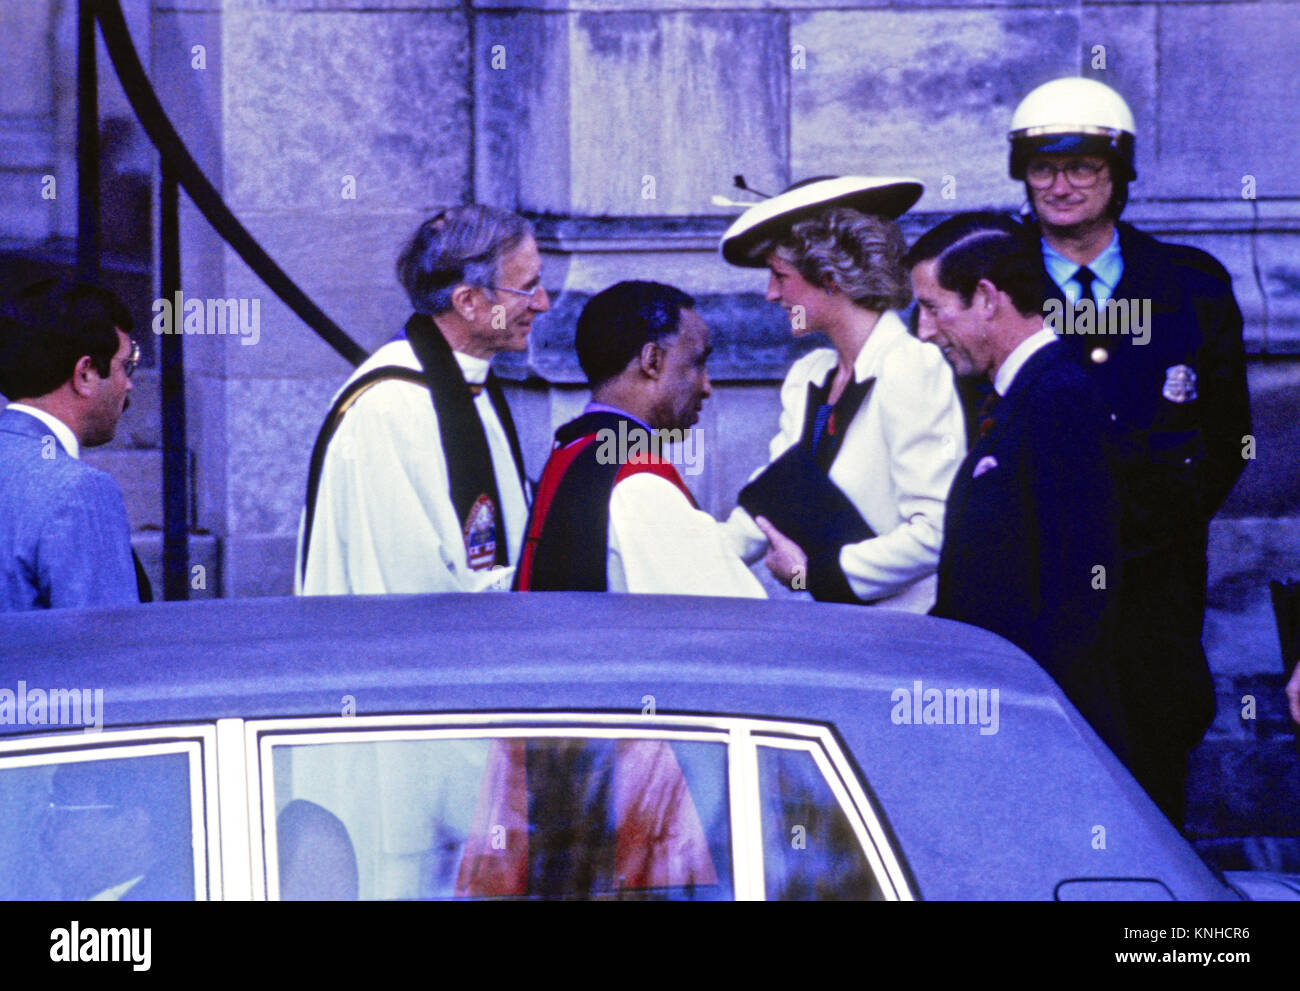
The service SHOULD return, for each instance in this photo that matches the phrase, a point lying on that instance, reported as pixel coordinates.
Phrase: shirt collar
(60, 429)
(115, 893)
(1108, 267)
(1025, 350)
(595, 407)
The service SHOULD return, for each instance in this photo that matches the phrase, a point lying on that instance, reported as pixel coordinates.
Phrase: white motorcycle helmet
(1073, 116)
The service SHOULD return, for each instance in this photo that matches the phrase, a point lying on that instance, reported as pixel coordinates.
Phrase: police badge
(481, 534)
(1180, 384)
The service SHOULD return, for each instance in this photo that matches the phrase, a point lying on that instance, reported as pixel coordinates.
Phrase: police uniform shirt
(1107, 269)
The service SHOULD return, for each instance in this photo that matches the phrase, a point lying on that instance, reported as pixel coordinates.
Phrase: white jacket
(896, 464)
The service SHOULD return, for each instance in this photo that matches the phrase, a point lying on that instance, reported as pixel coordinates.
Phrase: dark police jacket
(1182, 411)
(1179, 401)
(1032, 516)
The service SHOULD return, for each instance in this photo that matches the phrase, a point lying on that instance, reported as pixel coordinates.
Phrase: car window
(497, 816)
(102, 825)
(810, 849)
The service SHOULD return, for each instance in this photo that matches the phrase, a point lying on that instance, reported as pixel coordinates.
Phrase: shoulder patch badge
(481, 534)
(1180, 384)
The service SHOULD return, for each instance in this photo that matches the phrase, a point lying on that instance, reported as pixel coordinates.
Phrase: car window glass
(810, 851)
(103, 830)
(508, 817)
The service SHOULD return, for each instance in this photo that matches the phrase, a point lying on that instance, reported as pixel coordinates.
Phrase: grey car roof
(1011, 814)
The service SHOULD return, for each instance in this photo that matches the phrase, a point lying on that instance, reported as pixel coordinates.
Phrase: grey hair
(460, 246)
(860, 253)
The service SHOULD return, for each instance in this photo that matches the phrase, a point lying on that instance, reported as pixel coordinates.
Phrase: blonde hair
(859, 253)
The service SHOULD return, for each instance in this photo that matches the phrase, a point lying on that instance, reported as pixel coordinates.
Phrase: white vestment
(896, 463)
(659, 542)
(384, 519)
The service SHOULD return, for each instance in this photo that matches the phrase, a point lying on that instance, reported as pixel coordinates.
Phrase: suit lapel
(1009, 405)
(850, 402)
(855, 393)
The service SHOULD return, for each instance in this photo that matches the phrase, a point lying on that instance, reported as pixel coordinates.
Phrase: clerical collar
(60, 429)
(474, 369)
(595, 407)
(1107, 267)
(1026, 349)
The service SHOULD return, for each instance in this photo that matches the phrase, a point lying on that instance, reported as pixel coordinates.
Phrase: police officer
(1158, 329)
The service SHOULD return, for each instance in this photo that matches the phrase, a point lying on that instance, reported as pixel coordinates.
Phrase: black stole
(464, 441)
(470, 466)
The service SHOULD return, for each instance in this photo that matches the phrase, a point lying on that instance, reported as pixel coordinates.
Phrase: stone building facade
(333, 127)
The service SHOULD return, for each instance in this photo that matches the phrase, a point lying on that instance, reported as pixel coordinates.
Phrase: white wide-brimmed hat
(885, 196)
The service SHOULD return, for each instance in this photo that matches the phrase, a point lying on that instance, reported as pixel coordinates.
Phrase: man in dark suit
(1157, 330)
(66, 364)
(1030, 547)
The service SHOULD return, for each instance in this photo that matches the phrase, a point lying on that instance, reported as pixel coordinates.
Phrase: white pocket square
(986, 463)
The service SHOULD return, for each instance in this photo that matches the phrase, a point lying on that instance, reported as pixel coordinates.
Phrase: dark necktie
(985, 419)
(1085, 276)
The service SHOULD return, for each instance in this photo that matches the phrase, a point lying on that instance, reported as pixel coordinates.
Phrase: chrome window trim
(507, 718)
(269, 741)
(83, 741)
(232, 784)
(867, 810)
(888, 883)
(260, 742)
(746, 817)
(743, 734)
(196, 743)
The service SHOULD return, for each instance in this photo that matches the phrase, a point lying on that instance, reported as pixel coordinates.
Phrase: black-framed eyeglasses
(1079, 173)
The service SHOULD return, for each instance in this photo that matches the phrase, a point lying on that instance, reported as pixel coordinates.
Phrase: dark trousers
(1165, 683)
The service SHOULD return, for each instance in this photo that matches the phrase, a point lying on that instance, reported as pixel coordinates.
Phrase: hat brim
(1115, 146)
(889, 197)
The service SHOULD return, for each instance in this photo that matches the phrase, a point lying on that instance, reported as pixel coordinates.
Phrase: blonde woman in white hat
(871, 430)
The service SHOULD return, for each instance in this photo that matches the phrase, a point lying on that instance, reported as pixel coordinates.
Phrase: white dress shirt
(57, 427)
(1026, 349)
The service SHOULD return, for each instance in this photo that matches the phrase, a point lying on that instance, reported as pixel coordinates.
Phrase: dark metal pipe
(139, 91)
(87, 146)
(176, 533)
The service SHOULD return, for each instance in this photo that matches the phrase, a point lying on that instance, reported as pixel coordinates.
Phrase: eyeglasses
(1079, 173)
(132, 361)
(530, 293)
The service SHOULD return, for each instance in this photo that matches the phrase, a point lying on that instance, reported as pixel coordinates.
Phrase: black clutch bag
(800, 500)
